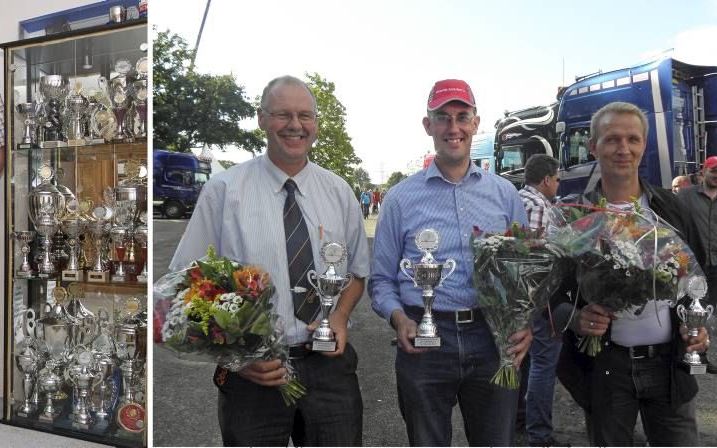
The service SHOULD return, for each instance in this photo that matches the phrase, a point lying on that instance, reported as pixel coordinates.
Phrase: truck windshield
(511, 158)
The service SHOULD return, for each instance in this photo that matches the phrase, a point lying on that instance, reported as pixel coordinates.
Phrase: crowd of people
(243, 213)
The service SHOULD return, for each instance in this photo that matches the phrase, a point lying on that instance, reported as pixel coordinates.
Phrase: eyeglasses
(446, 119)
(305, 117)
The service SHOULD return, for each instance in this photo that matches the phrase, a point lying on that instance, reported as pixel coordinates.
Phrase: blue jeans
(430, 384)
(544, 354)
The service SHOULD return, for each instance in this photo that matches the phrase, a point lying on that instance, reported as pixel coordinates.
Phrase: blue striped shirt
(428, 200)
(240, 211)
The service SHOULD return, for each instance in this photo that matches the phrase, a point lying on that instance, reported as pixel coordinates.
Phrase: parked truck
(178, 179)
(679, 100)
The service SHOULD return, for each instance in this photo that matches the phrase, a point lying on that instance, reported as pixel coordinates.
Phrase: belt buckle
(631, 351)
(464, 321)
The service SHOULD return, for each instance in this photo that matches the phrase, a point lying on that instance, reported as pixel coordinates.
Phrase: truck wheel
(174, 210)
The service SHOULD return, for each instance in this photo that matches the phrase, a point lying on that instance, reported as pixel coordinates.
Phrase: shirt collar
(536, 192)
(277, 178)
(433, 171)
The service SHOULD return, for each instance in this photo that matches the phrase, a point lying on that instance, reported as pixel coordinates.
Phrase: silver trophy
(103, 351)
(51, 383)
(29, 136)
(119, 239)
(131, 341)
(30, 359)
(77, 106)
(99, 273)
(427, 276)
(85, 329)
(328, 285)
(46, 208)
(24, 237)
(53, 89)
(73, 225)
(82, 374)
(695, 317)
(140, 104)
(141, 234)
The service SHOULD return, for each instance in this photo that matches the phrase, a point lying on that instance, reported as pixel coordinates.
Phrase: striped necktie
(300, 256)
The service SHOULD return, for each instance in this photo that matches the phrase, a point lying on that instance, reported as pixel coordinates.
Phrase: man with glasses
(451, 196)
(276, 211)
(541, 185)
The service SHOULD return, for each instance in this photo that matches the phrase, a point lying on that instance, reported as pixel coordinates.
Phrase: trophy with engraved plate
(695, 317)
(428, 275)
(328, 286)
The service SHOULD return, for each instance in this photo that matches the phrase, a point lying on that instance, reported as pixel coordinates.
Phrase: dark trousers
(623, 387)
(330, 414)
(430, 384)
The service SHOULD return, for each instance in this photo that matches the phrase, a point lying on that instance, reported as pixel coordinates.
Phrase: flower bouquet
(218, 310)
(623, 259)
(514, 274)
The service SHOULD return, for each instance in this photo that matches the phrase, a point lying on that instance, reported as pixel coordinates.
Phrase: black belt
(644, 351)
(465, 316)
(299, 351)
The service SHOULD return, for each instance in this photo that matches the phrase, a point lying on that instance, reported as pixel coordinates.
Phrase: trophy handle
(406, 264)
(451, 264)
(30, 322)
(710, 310)
(312, 277)
(347, 281)
(681, 312)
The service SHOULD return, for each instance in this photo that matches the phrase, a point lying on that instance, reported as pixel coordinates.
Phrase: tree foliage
(394, 178)
(333, 149)
(363, 180)
(192, 109)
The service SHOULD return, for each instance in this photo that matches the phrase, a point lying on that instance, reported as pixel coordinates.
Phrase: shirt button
(607, 372)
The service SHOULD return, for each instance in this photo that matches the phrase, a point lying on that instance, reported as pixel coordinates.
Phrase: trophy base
(694, 369)
(77, 142)
(48, 418)
(426, 341)
(24, 274)
(25, 146)
(323, 346)
(98, 277)
(82, 426)
(141, 278)
(119, 278)
(25, 414)
(46, 274)
(53, 144)
(72, 276)
(96, 141)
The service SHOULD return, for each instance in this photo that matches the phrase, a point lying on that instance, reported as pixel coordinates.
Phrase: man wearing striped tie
(276, 210)
(450, 196)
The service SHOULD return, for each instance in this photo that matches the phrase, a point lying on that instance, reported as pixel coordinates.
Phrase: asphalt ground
(185, 412)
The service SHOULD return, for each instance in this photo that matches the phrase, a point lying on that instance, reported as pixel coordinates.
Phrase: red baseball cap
(710, 163)
(450, 90)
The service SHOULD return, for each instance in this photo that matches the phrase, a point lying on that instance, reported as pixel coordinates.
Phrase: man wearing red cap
(450, 196)
(701, 201)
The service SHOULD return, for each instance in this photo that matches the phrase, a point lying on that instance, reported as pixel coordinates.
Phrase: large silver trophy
(428, 275)
(77, 106)
(46, 208)
(99, 273)
(73, 225)
(328, 285)
(695, 317)
(30, 359)
(24, 237)
(82, 373)
(104, 351)
(131, 342)
(29, 136)
(53, 89)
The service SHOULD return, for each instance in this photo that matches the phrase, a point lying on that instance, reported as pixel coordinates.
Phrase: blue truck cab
(178, 180)
(680, 101)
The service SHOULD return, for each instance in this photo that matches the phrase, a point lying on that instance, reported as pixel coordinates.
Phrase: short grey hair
(281, 81)
(617, 107)
(538, 167)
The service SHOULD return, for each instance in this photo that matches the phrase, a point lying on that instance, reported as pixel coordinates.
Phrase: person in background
(276, 210)
(700, 201)
(365, 203)
(450, 196)
(541, 185)
(637, 370)
(680, 182)
(376, 200)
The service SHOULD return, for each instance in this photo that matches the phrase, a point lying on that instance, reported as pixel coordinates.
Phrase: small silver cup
(328, 285)
(427, 276)
(695, 317)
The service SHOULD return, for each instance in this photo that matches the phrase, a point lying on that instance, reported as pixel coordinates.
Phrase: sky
(385, 55)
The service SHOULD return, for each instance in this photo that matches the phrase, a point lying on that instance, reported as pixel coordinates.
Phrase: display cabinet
(76, 234)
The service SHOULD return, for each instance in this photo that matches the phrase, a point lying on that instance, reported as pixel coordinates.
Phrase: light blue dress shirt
(240, 211)
(428, 200)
